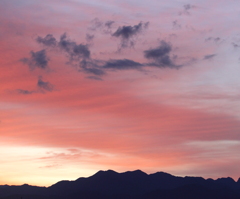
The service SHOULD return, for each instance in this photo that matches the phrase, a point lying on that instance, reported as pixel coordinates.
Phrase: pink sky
(159, 92)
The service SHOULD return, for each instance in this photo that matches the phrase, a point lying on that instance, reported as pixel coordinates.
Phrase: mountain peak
(104, 173)
(227, 179)
(137, 172)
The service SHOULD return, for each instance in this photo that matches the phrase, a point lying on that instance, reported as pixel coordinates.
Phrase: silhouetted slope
(129, 185)
(23, 189)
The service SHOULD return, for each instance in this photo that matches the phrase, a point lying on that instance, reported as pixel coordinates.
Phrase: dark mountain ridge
(130, 184)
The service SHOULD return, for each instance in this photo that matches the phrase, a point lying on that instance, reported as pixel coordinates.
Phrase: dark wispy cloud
(95, 78)
(161, 56)
(109, 24)
(127, 33)
(188, 6)
(79, 54)
(95, 24)
(209, 56)
(25, 92)
(122, 64)
(91, 66)
(74, 51)
(44, 86)
(186, 9)
(93, 70)
(37, 59)
(89, 37)
(235, 45)
(104, 27)
(48, 40)
(215, 39)
(176, 24)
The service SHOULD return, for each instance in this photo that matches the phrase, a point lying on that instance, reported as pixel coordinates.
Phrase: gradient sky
(118, 84)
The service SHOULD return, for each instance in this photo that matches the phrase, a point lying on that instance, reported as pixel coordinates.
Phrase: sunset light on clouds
(122, 85)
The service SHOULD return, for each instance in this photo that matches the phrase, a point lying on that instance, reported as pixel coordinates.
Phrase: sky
(118, 84)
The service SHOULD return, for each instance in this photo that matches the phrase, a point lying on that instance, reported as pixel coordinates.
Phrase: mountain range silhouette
(129, 185)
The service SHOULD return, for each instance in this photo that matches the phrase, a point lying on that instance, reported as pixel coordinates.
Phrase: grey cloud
(24, 92)
(48, 40)
(95, 71)
(188, 6)
(91, 66)
(186, 9)
(78, 54)
(95, 24)
(158, 52)
(176, 25)
(235, 45)
(127, 32)
(42, 86)
(215, 39)
(81, 50)
(108, 27)
(209, 56)
(89, 37)
(160, 56)
(122, 64)
(105, 27)
(95, 78)
(75, 51)
(38, 59)
(45, 86)
(109, 24)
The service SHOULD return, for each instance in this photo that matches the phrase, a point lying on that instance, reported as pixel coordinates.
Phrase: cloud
(79, 54)
(209, 56)
(215, 39)
(109, 24)
(156, 53)
(89, 37)
(91, 66)
(105, 27)
(75, 51)
(95, 78)
(235, 45)
(51, 166)
(44, 86)
(188, 6)
(176, 25)
(186, 9)
(24, 92)
(160, 56)
(69, 154)
(38, 59)
(126, 33)
(41, 88)
(94, 71)
(48, 40)
(95, 24)
(122, 64)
